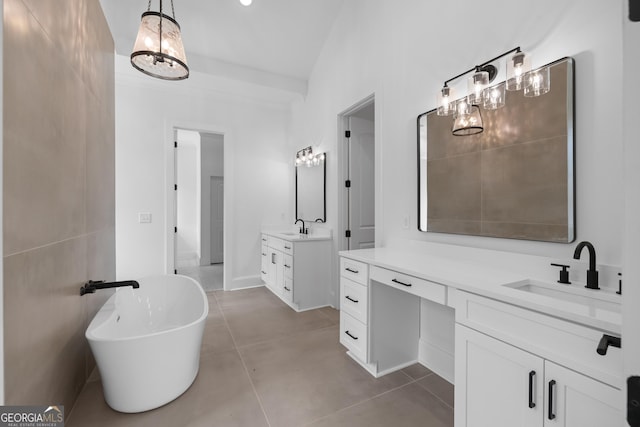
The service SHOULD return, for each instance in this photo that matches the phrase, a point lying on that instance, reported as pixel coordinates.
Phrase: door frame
(343, 171)
(213, 178)
(170, 193)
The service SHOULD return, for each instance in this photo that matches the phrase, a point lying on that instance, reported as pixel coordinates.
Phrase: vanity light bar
(307, 158)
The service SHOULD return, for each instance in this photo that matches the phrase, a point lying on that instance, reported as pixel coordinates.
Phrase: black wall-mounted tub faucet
(92, 285)
(592, 273)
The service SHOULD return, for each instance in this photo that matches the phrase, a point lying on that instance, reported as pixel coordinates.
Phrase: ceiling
(281, 37)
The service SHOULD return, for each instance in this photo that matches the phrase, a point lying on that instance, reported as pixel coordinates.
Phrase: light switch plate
(144, 217)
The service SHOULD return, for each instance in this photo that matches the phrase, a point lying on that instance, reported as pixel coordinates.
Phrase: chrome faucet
(592, 273)
(303, 229)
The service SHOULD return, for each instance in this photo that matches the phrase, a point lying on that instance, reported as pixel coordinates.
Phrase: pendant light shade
(158, 50)
(468, 124)
(494, 97)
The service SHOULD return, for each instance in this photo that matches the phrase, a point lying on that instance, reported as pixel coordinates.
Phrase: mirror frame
(422, 187)
(324, 193)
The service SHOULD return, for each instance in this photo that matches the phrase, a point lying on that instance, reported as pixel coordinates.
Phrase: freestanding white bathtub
(147, 341)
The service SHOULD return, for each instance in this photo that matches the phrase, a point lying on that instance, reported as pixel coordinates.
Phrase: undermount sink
(575, 294)
(289, 233)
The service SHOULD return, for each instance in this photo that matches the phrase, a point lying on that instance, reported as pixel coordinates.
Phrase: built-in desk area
(399, 307)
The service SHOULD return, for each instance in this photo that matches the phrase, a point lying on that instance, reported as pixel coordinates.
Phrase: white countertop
(489, 282)
(291, 236)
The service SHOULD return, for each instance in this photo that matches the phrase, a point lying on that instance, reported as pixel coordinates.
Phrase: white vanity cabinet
(524, 383)
(297, 270)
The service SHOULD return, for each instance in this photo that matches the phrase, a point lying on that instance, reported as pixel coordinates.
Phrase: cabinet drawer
(413, 285)
(354, 299)
(287, 290)
(566, 343)
(354, 270)
(275, 243)
(288, 266)
(353, 335)
(287, 247)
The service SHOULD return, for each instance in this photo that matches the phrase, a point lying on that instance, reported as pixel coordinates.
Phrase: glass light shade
(494, 97)
(246, 2)
(476, 84)
(444, 101)
(468, 124)
(165, 61)
(537, 82)
(463, 107)
(517, 66)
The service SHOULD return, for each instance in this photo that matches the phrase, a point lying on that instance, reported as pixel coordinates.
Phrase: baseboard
(436, 359)
(245, 282)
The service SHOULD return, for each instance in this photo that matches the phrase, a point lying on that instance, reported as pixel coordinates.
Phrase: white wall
(404, 50)
(1, 249)
(188, 199)
(212, 164)
(631, 290)
(258, 169)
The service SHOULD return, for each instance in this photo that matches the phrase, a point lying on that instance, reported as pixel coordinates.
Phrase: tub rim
(108, 315)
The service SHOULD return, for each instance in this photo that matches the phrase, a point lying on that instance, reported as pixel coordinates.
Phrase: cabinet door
(497, 385)
(575, 400)
(274, 271)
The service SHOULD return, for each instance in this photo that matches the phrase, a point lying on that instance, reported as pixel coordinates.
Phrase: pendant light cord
(149, 6)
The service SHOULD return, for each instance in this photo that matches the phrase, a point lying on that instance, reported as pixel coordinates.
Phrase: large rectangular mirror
(513, 180)
(311, 192)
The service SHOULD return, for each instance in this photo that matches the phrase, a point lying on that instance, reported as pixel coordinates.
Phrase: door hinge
(175, 144)
(347, 183)
(347, 233)
(347, 134)
(175, 271)
(175, 229)
(175, 187)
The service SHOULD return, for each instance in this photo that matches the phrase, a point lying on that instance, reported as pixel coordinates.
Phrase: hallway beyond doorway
(209, 276)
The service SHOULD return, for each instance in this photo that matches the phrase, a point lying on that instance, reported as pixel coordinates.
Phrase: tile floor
(262, 364)
(209, 276)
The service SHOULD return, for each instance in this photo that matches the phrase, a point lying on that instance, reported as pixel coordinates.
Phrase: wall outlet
(144, 217)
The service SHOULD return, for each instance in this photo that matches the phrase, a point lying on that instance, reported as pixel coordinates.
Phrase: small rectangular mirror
(311, 192)
(513, 180)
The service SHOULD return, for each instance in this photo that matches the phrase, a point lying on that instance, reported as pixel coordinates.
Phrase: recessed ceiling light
(246, 2)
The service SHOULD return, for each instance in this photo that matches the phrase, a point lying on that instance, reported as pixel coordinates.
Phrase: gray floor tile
(331, 313)
(417, 371)
(440, 387)
(407, 406)
(307, 376)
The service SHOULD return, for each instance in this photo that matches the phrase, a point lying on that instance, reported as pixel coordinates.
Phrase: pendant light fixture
(158, 50)
(466, 111)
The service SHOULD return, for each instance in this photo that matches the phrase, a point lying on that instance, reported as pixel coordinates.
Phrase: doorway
(199, 207)
(357, 208)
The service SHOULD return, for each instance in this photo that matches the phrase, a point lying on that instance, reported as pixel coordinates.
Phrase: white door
(217, 224)
(497, 385)
(574, 400)
(361, 175)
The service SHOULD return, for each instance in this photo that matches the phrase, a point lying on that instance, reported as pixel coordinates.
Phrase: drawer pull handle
(351, 271)
(532, 404)
(263, 254)
(287, 247)
(606, 341)
(287, 289)
(287, 266)
(552, 384)
(352, 336)
(263, 272)
(351, 299)
(401, 283)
